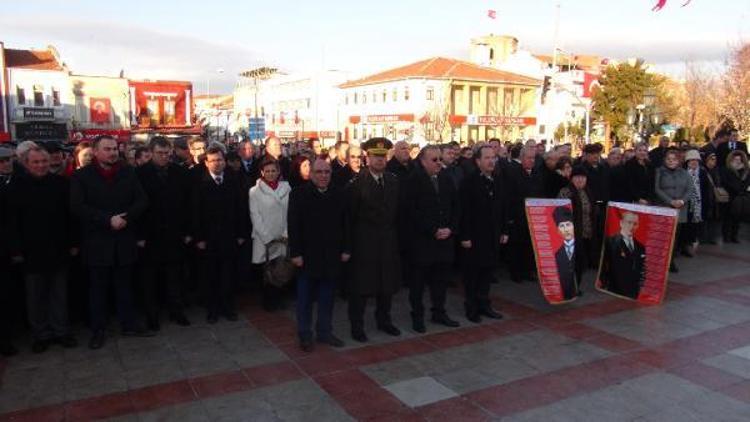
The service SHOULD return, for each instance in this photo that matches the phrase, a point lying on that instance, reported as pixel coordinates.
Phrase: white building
(294, 106)
(40, 99)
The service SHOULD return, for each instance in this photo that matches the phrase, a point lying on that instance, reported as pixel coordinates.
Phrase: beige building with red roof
(440, 99)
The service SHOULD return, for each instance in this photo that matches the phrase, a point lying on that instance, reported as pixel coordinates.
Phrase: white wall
(27, 78)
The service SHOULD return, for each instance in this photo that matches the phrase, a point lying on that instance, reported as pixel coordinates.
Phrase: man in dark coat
(482, 232)
(732, 144)
(432, 217)
(623, 269)
(373, 221)
(273, 150)
(220, 226)
(249, 174)
(656, 155)
(6, 292)
(163, 233)
(400, 164)
(318, 246)
(108, 200)
(350, 169)
(565, 257)
(598, 179)
(39, 231)
(522, 181)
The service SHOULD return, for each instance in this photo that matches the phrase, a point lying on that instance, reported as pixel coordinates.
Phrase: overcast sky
(190, 40)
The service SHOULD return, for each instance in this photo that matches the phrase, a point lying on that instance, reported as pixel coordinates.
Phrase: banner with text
(638, 244)
(553, 238)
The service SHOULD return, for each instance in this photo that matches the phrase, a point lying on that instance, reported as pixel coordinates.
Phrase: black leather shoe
(417, 324)
(473, 317)
(491, 313)
(686, 253)
(212, 319)
(97, 340)
(153, 324)
(180, 319)
(68, 342)
(40, 346)
(443, 319)
(138, 332)
(359, 336)
(306, 345)
(8, 350)
(231, 316)
(389, 329)
(332, 341)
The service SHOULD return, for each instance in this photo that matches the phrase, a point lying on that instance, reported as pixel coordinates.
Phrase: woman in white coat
(269, 201)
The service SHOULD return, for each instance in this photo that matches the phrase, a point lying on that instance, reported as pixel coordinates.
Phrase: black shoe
(212, 319)
(231, 316)
(153, 324)
(710, 242)
(332, 341)
(359, 336)
(306, 345)
(673, 268)
(40, 346)
(443, 319)
(474, 317)
(389, 329)
(8, 350)
(97, 340)
(491, 313)
(67, 342)
(138, 332)
(417, 324)
(180, 319)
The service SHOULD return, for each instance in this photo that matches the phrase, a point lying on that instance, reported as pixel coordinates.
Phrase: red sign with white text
(390, 118)
(121, 135)
(553, 238)
(637, 250)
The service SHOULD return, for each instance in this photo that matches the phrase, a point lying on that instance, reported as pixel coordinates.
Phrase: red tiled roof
(32, 59)
(443, 68)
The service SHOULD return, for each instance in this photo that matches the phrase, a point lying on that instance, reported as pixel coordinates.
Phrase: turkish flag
(492, 14)
(589, 82)
(100, 108)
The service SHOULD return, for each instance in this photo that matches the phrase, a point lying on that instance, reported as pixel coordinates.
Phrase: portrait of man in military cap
(566, 255)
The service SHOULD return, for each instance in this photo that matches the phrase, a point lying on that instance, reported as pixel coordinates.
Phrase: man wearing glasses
(431, 209)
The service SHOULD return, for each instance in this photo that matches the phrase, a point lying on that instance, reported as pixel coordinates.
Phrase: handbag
(720, 194)
(278, 271)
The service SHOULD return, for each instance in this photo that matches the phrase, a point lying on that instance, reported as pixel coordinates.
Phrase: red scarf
(273, 185)
(107, 174)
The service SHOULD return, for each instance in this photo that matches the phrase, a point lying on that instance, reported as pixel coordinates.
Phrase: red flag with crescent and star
(492, 14)
(661, 3)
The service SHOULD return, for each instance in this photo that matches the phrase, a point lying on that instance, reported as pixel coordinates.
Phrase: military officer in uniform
(375, 263)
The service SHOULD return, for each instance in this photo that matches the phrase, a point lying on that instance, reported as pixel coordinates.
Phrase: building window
(364, 98)
(20, 96)
(152, 109)
(430, 95)
(395, 94)
(169, 112)
(374, 97)
(356, 98)
(55, 97)
(355, 132)
(263, 111)
(385, 95)
(307, 101)
(38, 96)
(346, 99)
(406, 93)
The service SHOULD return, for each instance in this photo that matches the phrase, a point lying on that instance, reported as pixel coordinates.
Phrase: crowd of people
(159, 227)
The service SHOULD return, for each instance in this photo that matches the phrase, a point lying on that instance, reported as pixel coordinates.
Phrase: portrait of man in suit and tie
(623, 269)
(566, 255)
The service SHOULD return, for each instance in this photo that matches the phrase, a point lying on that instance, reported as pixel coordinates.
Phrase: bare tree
(735, 104)
(436, 117)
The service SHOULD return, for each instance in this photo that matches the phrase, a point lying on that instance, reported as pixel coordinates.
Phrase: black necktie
(435, 184)
(219, 180)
